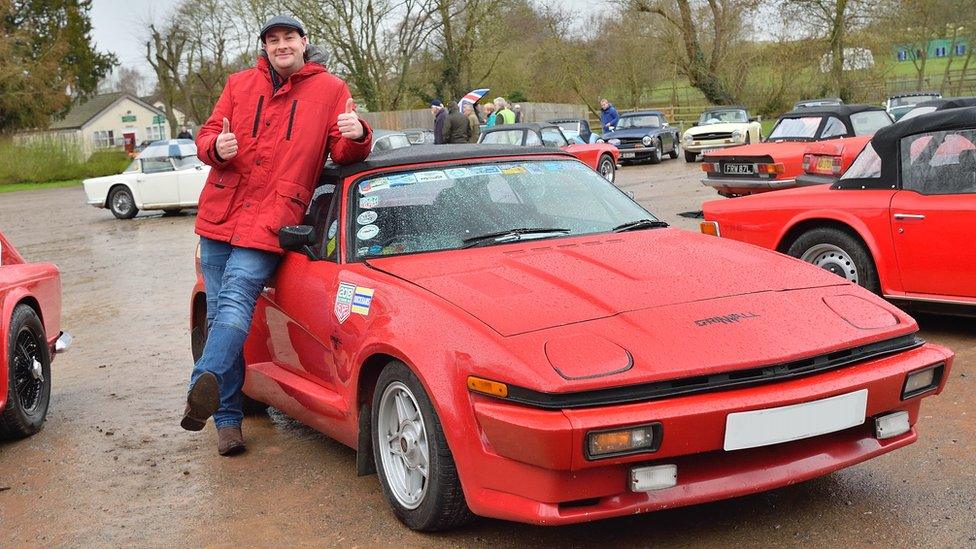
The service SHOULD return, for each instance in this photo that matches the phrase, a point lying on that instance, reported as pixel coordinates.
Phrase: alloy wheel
(404, 449)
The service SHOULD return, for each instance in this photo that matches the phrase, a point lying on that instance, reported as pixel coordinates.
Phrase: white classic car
(167, 175)
(718, 128)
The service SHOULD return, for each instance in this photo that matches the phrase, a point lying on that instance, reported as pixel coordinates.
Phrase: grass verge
(13, 187)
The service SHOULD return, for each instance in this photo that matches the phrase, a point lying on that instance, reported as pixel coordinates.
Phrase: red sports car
(500, 331)
(775, 163)
(602, 157)
(30, 320)
(898, 222)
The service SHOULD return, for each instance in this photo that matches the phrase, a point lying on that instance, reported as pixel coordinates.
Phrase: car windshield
(450, 208)
(721, 116)
(917, 111)
(867, 165)
(509, 137)
(569, 127)
(639, 121)
(910, 100)
(187, 162)
(133, 166)
(799, 129)
(869, 122)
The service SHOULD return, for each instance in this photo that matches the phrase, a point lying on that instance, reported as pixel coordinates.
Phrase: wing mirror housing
(298, 238)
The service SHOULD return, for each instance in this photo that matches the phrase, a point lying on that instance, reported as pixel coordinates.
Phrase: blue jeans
(233, 278)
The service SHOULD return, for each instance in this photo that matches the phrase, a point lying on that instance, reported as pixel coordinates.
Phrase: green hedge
(54, 161)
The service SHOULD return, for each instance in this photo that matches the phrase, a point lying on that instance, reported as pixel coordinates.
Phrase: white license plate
(795, 422)
(737, 169)
(626, 155)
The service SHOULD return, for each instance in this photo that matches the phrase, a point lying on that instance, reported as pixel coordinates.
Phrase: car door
(158, 183)
(932, 215)
(297, 305)
(191, 181)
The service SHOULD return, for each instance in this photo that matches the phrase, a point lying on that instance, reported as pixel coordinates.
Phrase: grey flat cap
(282, 21)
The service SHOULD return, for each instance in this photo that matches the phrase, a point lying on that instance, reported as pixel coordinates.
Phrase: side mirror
(298, 238)
(631, 195)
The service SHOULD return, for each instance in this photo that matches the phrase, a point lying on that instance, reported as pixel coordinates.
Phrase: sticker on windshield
(333, 228)
(484, 170)
(402, 179)
(458, 173)
(375, 249)
(330, 247)
(512, 170)
(369, 202)
(435, 175)
(343, 301)
(554, 166)
(361, 300)
(366, 218)
(533, 167)
(362, 251)
(371, 185)
(367, 232)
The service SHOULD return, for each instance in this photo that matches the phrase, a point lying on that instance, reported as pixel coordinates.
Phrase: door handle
(909, 216)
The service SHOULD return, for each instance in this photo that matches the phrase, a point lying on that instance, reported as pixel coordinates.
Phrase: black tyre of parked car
(839, 252)
(658, 155)
(172, 211)
(28, 375)
(397, 452)
(691, 156)
(674, 148)
(121, 202)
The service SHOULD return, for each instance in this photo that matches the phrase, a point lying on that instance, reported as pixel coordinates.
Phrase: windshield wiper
(639, 224)
(510, 235)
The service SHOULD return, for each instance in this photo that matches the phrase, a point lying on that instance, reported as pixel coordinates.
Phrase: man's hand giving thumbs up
(226, 142)
(349, 125)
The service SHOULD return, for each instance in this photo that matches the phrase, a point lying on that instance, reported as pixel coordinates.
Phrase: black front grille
(726, 380)
(713, 135)
(630, 140)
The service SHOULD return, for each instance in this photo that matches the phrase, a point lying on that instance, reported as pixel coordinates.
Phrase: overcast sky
(119, 26)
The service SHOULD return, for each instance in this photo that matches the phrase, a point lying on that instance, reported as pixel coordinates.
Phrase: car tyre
(607, 168)
(28, 374)
(674, 149)
(404, 424)
(172, 211)
(691, 156)
(121, 203)
(839, 252)
(253, 407)
(658, 155)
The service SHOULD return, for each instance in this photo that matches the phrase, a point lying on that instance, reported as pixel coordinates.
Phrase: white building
(105, 121)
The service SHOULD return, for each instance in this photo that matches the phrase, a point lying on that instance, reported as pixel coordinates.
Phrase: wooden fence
(422, 118)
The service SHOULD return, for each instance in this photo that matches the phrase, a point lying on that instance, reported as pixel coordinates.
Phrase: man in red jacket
(266, 140)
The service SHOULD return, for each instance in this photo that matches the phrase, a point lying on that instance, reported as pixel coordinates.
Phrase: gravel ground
(112, 466)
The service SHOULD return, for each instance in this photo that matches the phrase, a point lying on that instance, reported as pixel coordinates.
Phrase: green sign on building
(128, 118)
(159, 119)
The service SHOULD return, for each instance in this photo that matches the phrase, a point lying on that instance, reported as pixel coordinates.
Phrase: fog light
(922, 381)
(891, 425)
(657, 477)
(617, 442)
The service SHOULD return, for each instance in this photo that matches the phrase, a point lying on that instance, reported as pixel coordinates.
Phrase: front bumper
(532, 467)
(636, 153)
(741, 186)
(708, 146)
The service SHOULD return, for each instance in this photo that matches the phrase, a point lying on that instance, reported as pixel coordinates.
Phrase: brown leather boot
(230, 441)
(201, 402)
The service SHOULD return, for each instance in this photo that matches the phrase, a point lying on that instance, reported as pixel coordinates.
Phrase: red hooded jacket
(283, 139)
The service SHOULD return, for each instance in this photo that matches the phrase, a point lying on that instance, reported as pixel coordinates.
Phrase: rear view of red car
(776, 163)
(30, 318)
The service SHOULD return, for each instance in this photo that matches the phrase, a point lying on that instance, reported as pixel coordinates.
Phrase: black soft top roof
(839, 110)
(948, 103)
(418, 154)
(887, 140)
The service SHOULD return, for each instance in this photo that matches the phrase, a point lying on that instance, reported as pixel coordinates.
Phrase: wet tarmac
(112, 467)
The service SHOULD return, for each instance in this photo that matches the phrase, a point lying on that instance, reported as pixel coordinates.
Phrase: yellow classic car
(718, 128)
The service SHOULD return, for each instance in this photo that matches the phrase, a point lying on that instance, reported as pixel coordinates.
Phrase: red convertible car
(601, 157)
(30, 319)
(776, 162)
(898, 222)
(501, 331)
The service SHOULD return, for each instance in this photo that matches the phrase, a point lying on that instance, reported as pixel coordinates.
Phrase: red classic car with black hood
(898, 222)
(776, 162)
(500, 331)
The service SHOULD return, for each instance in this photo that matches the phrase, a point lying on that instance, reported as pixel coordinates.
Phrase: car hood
(529, 286)
(722, 127)
(631, 132)
(784, 149)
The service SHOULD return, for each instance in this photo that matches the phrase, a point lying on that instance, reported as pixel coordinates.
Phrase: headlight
(736, 134)
(689, 138)
(647, 141)
(614, 142)
(600, 140)
(922, 381)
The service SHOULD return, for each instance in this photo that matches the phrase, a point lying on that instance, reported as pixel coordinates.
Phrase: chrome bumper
(748, 183)
(63, 342)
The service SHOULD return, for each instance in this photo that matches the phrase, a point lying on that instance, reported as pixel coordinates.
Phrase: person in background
(456, 128)
(503, 114)
(608, 116)
(490, 114)
(518, 113)
(440, 117)
(474, 125)
(184, 133)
